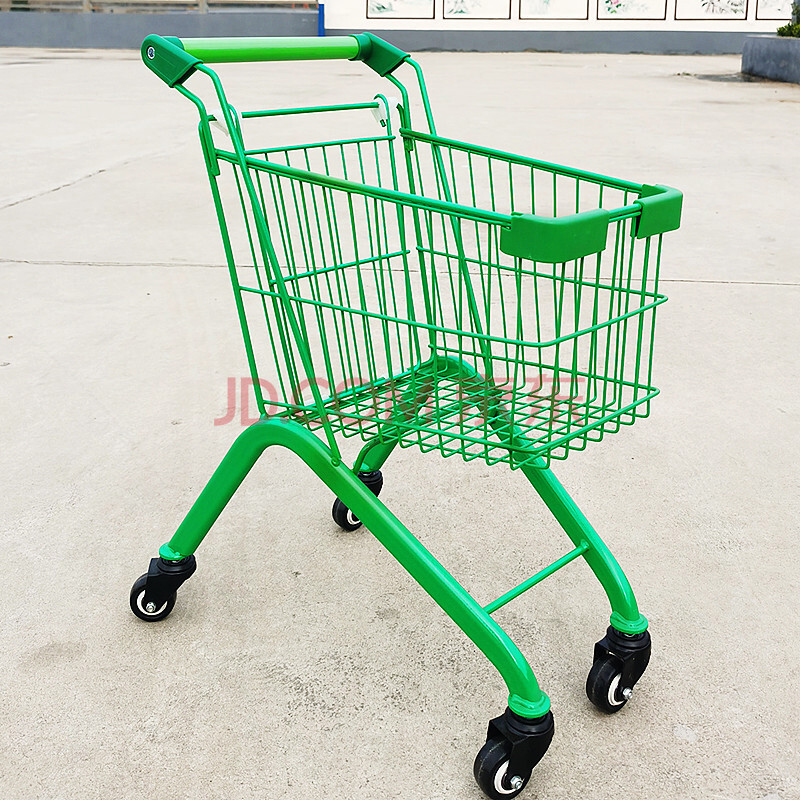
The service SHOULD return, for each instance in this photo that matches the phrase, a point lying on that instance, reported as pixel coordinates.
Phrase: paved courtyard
(301, 661)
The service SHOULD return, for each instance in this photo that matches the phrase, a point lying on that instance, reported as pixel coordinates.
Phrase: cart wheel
(491, 771)
(603, 685)
(342, 515)
(147, 613)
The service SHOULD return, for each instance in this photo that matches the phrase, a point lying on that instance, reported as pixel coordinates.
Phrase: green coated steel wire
(367, 268)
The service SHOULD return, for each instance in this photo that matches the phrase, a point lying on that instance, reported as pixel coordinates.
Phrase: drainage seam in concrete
(81, 178)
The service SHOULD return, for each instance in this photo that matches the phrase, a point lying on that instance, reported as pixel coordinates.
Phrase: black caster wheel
(148, 611)
(514, 746)
(491, 771)
(153, 594)
(604, 686)
(620, 659)
(342, 515)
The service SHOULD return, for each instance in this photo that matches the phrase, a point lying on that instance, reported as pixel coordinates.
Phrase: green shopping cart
(407, 290)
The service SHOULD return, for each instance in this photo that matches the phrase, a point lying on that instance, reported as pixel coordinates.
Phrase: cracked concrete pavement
(301, 660)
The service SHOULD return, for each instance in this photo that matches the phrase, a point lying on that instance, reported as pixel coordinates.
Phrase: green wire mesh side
(419, 329)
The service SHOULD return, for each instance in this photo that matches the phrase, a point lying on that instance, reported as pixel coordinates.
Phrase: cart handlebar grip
(174, 59)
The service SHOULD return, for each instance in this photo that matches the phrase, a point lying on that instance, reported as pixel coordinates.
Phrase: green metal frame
(648, 211)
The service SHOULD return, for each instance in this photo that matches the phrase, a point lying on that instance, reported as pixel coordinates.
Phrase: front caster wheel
(604, 686)
(620, 659)
(153, 594)
(514, 746)
(491, 771)
(342, 515)
(149, 612)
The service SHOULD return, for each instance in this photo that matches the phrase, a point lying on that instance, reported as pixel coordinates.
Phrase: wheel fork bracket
(529, 739)
(165, 577)
(632, 651)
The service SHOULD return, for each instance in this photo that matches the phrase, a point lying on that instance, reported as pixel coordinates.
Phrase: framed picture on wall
(477, 9)
(710, 9)
(631, 9)
(779, 10)
(554, 9)
(400, 9)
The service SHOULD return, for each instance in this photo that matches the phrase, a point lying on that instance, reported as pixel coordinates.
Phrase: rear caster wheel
(604, 686)
(491, 771)
(148, 611)
(342, 515)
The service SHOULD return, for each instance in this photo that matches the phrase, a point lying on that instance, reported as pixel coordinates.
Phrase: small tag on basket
(381, 112)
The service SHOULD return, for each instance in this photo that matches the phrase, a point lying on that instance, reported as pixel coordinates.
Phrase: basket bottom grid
(465, 414)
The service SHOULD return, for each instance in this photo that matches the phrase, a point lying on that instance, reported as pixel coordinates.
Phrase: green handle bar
(272, 48)
(174, 59)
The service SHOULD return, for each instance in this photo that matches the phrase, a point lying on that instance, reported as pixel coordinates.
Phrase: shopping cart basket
(419, 291)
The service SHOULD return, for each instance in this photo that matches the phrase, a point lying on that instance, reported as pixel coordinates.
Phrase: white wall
(740, 16)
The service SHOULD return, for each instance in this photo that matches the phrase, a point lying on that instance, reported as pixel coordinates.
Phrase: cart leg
(516, 740)
(625, 616)
(526, 700)
(374, 453)
(622, 655)
(368, 470)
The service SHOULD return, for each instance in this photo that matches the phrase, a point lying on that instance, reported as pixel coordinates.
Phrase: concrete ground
(302, 661)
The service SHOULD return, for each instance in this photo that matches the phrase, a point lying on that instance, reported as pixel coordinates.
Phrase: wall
(615, 26)
(76, 29)
(656, 26)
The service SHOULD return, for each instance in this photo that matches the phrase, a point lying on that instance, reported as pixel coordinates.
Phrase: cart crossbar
(490, 608)
(375, 192)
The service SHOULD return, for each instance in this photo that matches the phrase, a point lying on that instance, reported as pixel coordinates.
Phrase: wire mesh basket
(427, 313)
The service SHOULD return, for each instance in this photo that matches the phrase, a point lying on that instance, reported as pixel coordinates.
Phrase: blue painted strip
(321, 19)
